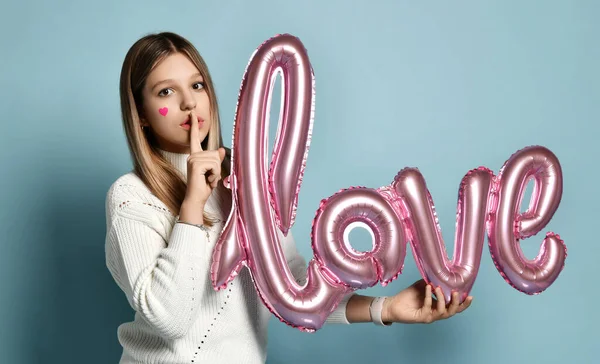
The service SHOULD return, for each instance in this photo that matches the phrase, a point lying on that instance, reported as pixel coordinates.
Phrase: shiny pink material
(265, 197)
(507, 226)
(264, 200)
(425, 235)
(340, 213)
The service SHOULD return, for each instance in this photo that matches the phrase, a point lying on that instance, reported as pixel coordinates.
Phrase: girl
(164, 217)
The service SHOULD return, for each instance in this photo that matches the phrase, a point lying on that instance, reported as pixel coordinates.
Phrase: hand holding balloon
(416, 304)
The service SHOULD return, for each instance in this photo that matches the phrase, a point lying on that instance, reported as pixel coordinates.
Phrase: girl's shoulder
(130, 191)
(127, 183)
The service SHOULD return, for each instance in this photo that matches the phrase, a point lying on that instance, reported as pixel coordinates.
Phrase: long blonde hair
(154, 170)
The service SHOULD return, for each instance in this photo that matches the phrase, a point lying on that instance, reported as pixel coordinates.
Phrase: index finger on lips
(195, 145)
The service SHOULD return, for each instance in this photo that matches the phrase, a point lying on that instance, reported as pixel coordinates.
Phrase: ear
(142, 117)
(143, 121)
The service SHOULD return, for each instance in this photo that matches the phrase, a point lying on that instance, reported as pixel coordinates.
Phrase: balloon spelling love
(266, 200)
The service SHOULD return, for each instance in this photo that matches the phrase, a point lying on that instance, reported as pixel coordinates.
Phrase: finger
(211, 181)
(215, 181)
(441, 301)
(454, 304)
(207, 165)
(220, 155)
(465, 304)
(215, 174)
(428, 299)
(195, 145)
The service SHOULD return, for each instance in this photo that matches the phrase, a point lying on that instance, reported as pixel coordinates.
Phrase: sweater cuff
(188, 239)
(338, 316)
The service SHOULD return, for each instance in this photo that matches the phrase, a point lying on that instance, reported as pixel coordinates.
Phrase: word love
(265, 201)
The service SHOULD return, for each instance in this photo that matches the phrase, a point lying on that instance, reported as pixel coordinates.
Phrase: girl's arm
(413, 304)
(163, 281)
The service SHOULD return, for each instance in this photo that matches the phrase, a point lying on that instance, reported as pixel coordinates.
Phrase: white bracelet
(375, 309)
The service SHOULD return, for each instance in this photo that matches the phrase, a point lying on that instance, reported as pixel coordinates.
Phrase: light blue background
(444, 86)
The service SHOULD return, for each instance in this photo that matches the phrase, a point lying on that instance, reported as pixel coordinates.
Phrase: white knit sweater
(163, 269)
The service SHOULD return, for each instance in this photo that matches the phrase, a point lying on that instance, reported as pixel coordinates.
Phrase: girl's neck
(178, 160)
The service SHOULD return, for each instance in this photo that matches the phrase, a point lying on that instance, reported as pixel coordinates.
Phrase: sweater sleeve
(299, 267)
(163, 280)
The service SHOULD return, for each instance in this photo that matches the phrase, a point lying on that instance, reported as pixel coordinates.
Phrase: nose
(188, 102)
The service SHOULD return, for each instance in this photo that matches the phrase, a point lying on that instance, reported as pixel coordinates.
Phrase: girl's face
(173, 89)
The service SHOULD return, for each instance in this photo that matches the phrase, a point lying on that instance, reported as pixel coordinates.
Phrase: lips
(187, 123)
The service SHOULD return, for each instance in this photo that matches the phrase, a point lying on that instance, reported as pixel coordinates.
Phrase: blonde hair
(163, 180)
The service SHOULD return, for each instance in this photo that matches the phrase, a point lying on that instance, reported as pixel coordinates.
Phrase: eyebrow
(197, 74)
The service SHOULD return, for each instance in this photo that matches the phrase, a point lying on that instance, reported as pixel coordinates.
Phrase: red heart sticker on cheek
(163, 111)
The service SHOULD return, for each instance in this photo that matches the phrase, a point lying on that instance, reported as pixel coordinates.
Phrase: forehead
(175, 66)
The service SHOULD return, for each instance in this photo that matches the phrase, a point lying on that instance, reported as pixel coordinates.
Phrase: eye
(164, 92)
(198, 86)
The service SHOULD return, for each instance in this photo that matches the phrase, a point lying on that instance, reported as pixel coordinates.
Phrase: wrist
(191, 204)
(192, 212)
(379, 311)
(193, 199)
(386, 317)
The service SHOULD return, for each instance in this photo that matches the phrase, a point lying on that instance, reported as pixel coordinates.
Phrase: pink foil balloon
(265, 201)
(425, 235)
(507, 226)
(332, 249)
